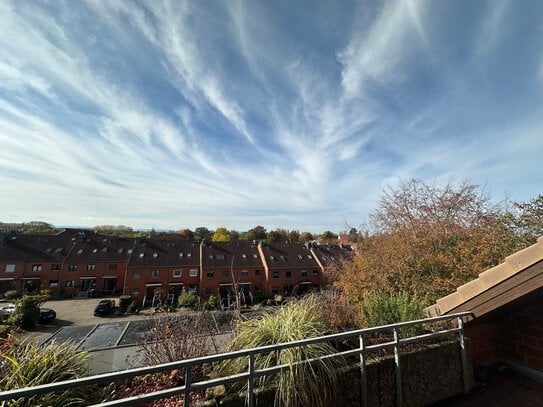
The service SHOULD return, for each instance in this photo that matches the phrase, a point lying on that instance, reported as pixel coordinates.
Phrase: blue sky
(285, 114)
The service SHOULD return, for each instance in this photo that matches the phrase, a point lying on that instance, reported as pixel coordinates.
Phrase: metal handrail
(253, 373)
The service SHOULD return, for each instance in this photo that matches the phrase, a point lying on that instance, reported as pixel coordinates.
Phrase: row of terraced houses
(83, 263)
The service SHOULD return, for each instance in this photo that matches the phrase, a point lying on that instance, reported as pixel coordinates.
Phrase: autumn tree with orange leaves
(427, 239)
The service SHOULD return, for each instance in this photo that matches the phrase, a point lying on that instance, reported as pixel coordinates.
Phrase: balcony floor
(502, 389)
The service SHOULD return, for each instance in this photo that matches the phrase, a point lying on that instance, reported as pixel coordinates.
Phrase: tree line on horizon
(221, 234)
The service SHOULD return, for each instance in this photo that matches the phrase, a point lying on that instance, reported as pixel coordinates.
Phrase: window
(104, 249)
(193, 273)
(225, 274)
(300, 257)
(80, 251)
(112, 267)
(275, 274)
(303, 273)
(59, 250)
(288, 273)
(255, 255)
(94, 250)
(142, 254)
(129, 251)
(189, 255)
(91, 267)
(244, 256)
(309, 256)
(220, 256)
(135, 292)
(210, 256)
(282, 257)
(155, 273)
(36, 267)
(180, 254)
(72, 267)
(244, 273)
(315, 273)
(192, 289)
(275, 290)
(272, 258)
(53, 283)
(177, 273)
(55, 267)
(70, 283)
(257, 273)
(136, 275)
(210, 274)
(155, 255)
(120, 250)
(9, 268)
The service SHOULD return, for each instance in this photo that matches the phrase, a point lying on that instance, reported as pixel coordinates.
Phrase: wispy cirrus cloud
(171, 114)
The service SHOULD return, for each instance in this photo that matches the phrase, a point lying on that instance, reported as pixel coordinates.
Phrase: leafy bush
(300, 384)
(212, 302)
(10, 295)
(32, 365)
(187, 300)
(27, 310)
(383, 309)
(5, 330)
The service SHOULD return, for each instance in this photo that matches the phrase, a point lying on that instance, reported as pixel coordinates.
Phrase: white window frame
(9, 268)
(193, 273)
(177, 273)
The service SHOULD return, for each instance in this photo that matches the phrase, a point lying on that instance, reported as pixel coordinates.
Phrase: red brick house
(231, 266)
(507, 306)
(291, 269)
(160, 269)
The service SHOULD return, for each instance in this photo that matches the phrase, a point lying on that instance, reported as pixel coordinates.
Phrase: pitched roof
(220, 254)
(165, 253)
(284, 256)
(519, 275)
(332, 254)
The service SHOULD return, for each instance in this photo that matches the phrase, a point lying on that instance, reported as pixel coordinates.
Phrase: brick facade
(78, 262)
(516, 336)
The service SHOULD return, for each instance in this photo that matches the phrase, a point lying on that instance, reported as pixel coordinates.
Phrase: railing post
(363, 375)
(397, 370)
(188, 379)
(463, 356)
(250, 395)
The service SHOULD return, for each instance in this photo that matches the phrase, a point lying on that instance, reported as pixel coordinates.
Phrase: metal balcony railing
(253, 373)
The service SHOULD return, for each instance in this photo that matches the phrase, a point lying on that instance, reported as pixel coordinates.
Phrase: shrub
(300, 384)
(383, 309)
(187, 300)
(5, 330)
(10, 295)
(32, 365)
(211, 302)
(27, 310)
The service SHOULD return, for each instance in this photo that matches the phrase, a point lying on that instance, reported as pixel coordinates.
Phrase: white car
(6, 310)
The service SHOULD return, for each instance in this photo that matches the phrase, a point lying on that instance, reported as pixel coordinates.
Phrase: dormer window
(129, 251)
(94, 250)
(220, 256)
(309, 257)
(244, 255)
(282, 257)
(180, 254)
(141, 255)
(80, 251)
(120, 250)
(155, 255)
(272, 258)
(300, 256)
(104, 249)
(189, 255)
(48, 250)
(255, 255)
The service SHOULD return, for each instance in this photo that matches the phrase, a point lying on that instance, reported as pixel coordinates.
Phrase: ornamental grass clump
(32, 365)
(299, 384)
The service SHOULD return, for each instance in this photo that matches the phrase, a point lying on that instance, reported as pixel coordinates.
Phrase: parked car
(47, 315)
(104, 307)
(6, 310)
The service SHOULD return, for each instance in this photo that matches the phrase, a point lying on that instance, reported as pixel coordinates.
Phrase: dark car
(47, 315)
(104, 307)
